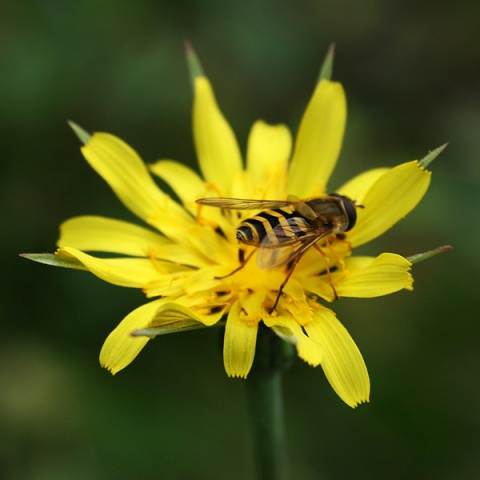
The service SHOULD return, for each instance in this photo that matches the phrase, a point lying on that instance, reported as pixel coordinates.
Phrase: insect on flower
(286, 229)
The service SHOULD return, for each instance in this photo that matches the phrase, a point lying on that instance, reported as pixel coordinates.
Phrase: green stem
(264, 387)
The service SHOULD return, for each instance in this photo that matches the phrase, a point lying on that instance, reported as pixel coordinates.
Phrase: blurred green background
(411, 73)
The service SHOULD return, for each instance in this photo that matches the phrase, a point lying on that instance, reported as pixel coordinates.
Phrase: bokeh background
(411, 73)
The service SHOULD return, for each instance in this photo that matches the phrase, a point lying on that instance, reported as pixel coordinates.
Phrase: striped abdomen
(254, 229)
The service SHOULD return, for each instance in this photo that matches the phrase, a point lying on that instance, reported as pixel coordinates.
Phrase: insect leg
(327, 268)
(243, 262)
(337, 239)
(282, 286)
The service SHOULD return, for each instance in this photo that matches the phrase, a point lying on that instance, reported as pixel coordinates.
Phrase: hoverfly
(286, 229)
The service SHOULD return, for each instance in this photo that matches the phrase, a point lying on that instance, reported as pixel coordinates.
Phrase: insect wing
(243, 204)
(287, 241)
(302, 207)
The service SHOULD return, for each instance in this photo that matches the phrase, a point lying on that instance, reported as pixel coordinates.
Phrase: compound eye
(351, 212)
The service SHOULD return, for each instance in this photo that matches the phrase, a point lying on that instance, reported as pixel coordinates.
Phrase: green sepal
(82, 134)
(327, 67)
(419, 257)
(194, 66)
(174, 327)
(425, 161)
(54, 260)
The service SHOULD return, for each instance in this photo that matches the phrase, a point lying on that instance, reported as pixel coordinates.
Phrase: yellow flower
(178, 260)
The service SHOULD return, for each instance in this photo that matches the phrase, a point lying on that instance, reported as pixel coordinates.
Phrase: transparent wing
(289, 239)
(242, 203)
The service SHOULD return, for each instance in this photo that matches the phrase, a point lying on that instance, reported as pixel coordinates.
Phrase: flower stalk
(265, 398)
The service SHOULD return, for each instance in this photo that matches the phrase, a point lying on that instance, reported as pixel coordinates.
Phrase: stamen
(150, 253)
(212, 186)
(206, 222)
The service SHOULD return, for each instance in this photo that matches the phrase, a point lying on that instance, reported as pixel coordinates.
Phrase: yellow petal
(239, 344)
(390, 198)
(217, 149)
(179, 254)
(120, 348)
(186, 183)
(297, 305)
(342, 362)
(319, 141)
(206, 307)
(294, 288)
(358, 186)
(313, 263)
(121, 167)
(287, 328)
(206, 278)
(125, 272)
(367, 277)
(211, 245)
(176, 313)
(189, 187)
(311, 271)
(269, 148)
(320, 285)
(168, 284)
(101, 234)
(252, 303)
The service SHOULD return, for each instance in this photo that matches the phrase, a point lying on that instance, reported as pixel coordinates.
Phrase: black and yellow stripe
(254, 229)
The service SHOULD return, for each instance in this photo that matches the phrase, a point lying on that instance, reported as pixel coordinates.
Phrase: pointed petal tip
(109, 369)
(82, 134)
(37, 257)
(194, 65)
(327, 66)
(419, 257)
(54, 260)
(430, 157)
(360, 402)
(236, 375)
